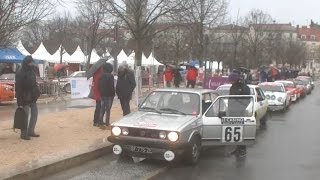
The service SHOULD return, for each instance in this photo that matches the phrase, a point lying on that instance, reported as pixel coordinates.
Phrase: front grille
(147, 133)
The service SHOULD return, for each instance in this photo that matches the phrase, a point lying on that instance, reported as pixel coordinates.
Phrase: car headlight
(173, 136)
(116, 131)
(162, 135)
(267, 96)
(125, 131)
(280, 99)
(273, 97)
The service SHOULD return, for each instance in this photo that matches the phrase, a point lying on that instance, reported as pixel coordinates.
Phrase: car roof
(187, 90)
(284, 81)
(229, 85)
(271, 84)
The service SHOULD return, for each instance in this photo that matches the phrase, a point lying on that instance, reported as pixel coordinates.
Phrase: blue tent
(13, 55)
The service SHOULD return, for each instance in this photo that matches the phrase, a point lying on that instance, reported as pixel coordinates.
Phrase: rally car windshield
(172, 102)
(272, 88)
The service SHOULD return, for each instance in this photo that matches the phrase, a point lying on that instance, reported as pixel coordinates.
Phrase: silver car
(178, 122)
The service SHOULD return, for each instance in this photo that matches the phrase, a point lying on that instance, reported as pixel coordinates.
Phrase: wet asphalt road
(287, 149)
(7, 109)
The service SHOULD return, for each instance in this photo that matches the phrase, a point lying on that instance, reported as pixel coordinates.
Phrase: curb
(62, 165)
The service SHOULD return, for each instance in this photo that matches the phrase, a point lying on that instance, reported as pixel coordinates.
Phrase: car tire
(285, 108)
(193, 152)
(67, 88)
(123, 157)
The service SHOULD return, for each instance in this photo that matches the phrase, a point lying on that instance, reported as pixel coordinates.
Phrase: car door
(220, 127)
(262, 102)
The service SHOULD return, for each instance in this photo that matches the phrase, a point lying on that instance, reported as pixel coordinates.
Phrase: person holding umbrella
(96, 96)
(95, 71)
(107, 92)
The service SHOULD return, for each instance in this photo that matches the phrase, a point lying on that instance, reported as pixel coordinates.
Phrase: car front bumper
(276, 107)
(158, 147)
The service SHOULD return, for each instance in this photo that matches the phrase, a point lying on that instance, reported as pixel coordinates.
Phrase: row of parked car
(172, 123)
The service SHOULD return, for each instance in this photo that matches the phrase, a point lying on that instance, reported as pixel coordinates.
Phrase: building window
(303, 37)
(313, 37)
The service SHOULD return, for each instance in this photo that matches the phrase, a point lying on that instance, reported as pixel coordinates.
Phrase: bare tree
(15, 14)
(33, 34)
(139, 16)
(202, 14)
(258, 22)
(94, 18)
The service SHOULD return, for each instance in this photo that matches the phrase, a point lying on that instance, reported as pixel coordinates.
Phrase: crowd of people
(104, 91)
(173, 75)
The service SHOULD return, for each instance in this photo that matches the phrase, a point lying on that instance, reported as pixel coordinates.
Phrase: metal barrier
(48, 88)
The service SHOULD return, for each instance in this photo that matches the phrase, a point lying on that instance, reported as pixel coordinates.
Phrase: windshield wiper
(151, 109)
(173, 111)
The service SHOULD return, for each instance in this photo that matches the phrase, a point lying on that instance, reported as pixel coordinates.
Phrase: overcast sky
(283, 11)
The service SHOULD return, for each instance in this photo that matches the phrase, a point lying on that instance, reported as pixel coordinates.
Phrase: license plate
(141, 149)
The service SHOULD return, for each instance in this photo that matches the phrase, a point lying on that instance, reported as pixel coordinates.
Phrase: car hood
(150, 120)
(277, 94)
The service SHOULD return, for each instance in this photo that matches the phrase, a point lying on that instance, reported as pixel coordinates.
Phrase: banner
(80, 88)
(215, 82)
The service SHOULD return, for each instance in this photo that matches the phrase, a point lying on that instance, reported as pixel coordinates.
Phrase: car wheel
(285, 108)
(67, 88)
(193, 151)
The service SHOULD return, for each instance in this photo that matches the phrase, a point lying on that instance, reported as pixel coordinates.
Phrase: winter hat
(108, 68)
(28, 59)
(234, 77)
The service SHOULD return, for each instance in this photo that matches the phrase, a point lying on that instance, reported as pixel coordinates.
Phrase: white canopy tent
(21, 48)
(153, 61)
(56, 57)
(42, 53)
(94, 56)
(77, 56)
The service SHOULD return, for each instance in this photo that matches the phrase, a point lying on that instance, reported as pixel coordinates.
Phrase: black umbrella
(94, 68)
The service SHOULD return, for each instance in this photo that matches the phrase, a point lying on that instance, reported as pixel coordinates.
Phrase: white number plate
(141, 149)
(232, 134)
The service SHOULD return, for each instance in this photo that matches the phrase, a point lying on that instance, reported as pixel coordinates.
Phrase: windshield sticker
(232, 121)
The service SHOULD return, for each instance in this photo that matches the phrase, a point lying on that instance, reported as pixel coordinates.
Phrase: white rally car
(277, 96)
(178, 122)
(261, 102)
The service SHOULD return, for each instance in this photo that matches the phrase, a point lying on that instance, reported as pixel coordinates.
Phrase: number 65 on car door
(230, 121)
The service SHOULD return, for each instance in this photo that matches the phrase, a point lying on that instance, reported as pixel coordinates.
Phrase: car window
(231, 107)
(206, 101)
(260, 93)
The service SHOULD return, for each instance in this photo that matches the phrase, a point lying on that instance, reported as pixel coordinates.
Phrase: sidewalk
(63, 135)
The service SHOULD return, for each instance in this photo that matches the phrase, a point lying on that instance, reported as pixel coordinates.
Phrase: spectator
(192, 75)
(107, 92)
(27, 93)
(97, 96)
(168, 75)
(125, 86)
(177, 78)
(7, 70)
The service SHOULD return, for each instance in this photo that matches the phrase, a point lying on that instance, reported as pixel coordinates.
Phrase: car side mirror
(222, 114)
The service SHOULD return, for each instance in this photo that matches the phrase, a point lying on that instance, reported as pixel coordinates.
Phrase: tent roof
(12, 55)
(42, 53)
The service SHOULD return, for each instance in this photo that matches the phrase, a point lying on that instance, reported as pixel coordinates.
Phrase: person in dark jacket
(237, 108)
(177, 78)
(27, 93)
(125, 86)
(107, 92)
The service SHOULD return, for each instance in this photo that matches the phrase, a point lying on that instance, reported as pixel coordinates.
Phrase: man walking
(107, 92)
(125, 86)
(27, 93)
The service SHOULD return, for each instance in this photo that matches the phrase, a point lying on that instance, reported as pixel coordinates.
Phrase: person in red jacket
(192, 75)
(168, 76)
(97, 96)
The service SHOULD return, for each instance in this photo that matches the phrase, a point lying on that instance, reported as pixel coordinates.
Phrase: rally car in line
(304, 87)
(172, 123)
(278, 98)
(261, 103)
(292, 89)
(308, 79)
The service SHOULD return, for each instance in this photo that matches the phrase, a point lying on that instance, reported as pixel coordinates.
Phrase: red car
(292, 89)
(300, 85)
